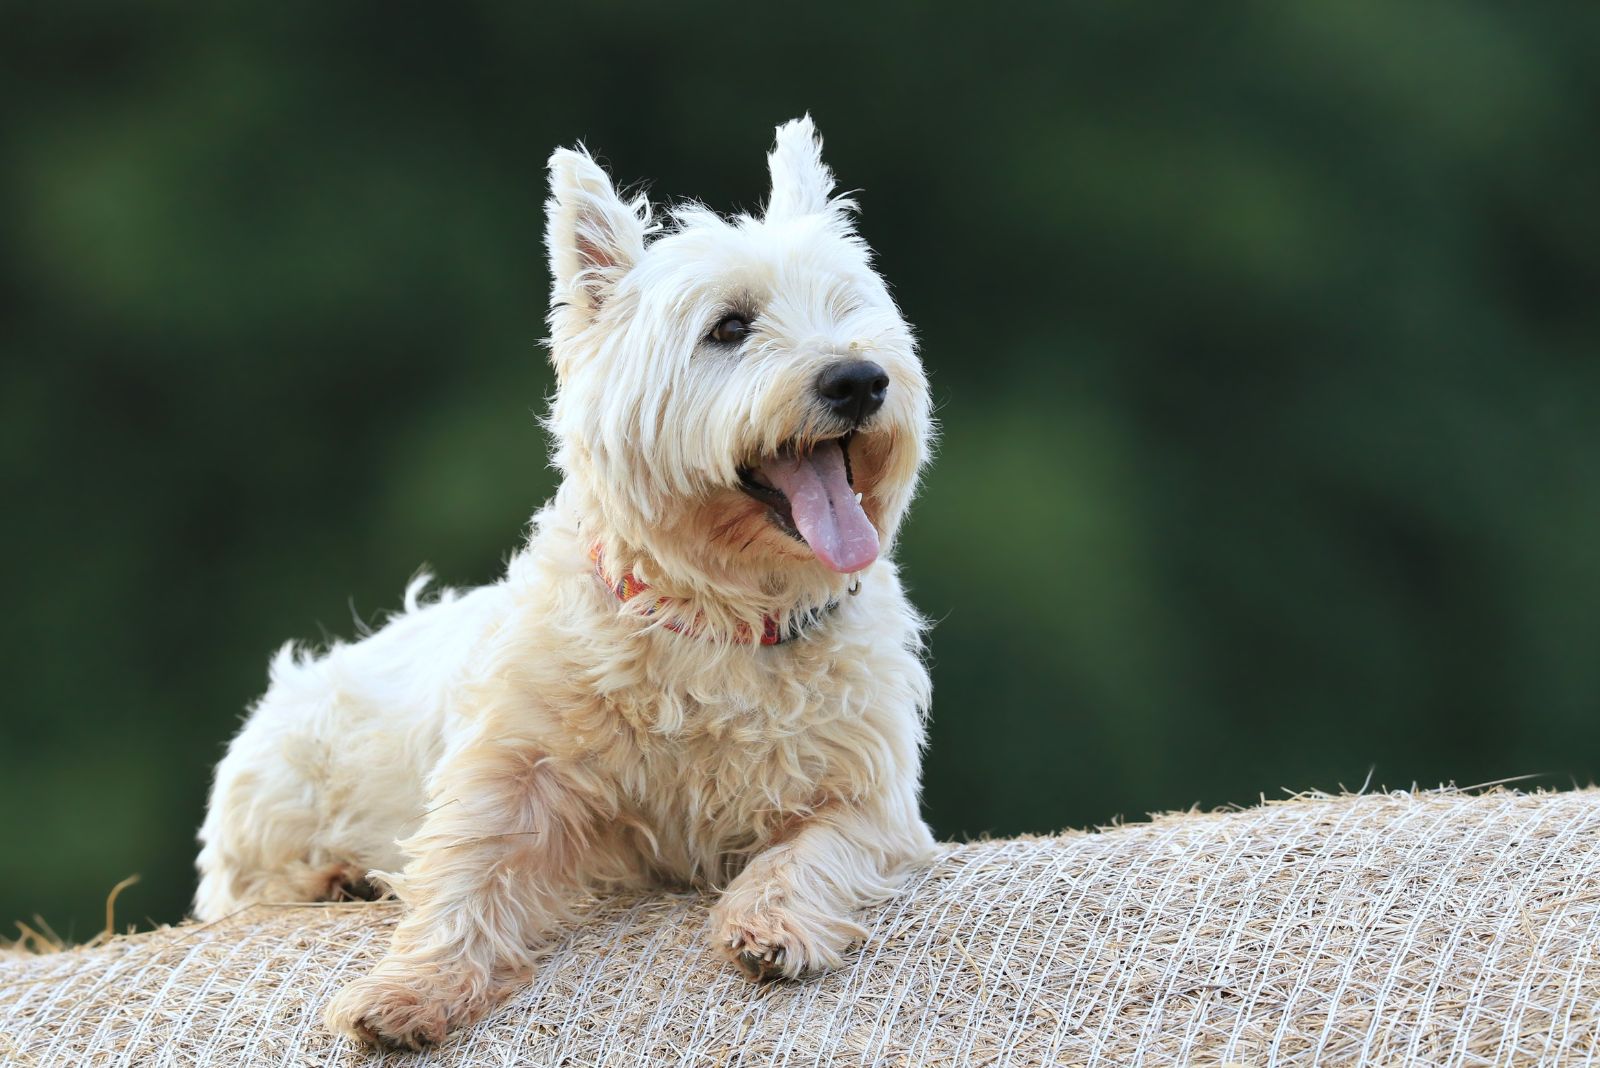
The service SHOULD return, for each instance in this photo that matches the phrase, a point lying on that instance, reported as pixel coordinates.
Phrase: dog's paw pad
(768, 937)
(776, 944)
(380, 1011)
(346, 882)
(758, 961)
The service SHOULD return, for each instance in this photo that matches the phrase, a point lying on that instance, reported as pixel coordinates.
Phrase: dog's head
(736, 397)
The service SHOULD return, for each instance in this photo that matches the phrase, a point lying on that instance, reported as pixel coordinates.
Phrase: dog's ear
(801, 182)
(594, 235)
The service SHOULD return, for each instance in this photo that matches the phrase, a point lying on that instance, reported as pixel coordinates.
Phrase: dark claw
(758, 968)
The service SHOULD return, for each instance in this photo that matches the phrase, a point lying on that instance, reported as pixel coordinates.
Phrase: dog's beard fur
(537, 737)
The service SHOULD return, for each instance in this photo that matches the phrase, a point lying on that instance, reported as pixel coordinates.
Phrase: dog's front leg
(792, 910)
(493, 868)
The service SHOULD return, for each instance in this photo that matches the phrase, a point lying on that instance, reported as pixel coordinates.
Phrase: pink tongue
(825, 508)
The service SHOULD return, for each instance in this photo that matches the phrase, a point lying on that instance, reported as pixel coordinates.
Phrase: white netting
(1401, 928)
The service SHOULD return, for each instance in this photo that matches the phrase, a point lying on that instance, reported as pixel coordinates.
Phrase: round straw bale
(1397, 928)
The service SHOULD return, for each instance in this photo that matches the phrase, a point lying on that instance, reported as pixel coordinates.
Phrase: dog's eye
(731, 330)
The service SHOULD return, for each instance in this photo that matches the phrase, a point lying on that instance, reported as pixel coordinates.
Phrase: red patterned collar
(628, 587)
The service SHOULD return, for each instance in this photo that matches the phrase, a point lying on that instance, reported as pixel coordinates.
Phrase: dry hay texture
(1399, 928)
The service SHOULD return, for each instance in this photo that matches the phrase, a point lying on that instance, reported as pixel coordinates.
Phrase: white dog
(701, 670)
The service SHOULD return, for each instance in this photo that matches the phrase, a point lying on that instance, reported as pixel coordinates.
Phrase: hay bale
(1401, 928)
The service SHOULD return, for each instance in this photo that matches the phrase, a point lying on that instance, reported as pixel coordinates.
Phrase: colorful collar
(628, 587)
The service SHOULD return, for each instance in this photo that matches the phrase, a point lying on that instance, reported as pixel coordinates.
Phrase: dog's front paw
(406, 1008)
(769, 941)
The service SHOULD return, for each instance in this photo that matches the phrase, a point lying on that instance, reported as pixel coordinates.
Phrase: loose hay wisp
(1400, 928)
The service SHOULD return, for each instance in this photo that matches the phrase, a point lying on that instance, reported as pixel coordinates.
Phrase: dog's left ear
(801, 183)
(594, 235)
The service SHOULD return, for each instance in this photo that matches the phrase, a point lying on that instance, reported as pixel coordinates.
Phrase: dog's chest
(708, 804)
(714, 772)
(744, 759)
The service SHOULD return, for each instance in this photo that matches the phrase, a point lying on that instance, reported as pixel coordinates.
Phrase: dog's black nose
(853, 389)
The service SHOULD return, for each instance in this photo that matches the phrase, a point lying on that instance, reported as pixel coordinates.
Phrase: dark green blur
(1266, 340)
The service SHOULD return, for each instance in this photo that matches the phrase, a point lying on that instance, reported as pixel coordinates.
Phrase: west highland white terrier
(700, 671)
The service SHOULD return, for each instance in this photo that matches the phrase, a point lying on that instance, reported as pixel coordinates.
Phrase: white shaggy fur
(493, 756)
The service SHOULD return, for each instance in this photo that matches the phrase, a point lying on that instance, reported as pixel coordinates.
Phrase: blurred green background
(1264, 337)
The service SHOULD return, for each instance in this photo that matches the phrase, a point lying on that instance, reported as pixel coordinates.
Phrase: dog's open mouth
(812, 497)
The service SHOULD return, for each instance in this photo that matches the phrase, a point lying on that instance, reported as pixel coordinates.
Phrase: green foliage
(1265, 339)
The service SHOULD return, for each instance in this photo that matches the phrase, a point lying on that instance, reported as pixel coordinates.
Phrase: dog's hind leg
(328, 771)
(291, 816)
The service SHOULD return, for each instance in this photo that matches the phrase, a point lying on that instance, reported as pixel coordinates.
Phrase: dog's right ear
(594, 236)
